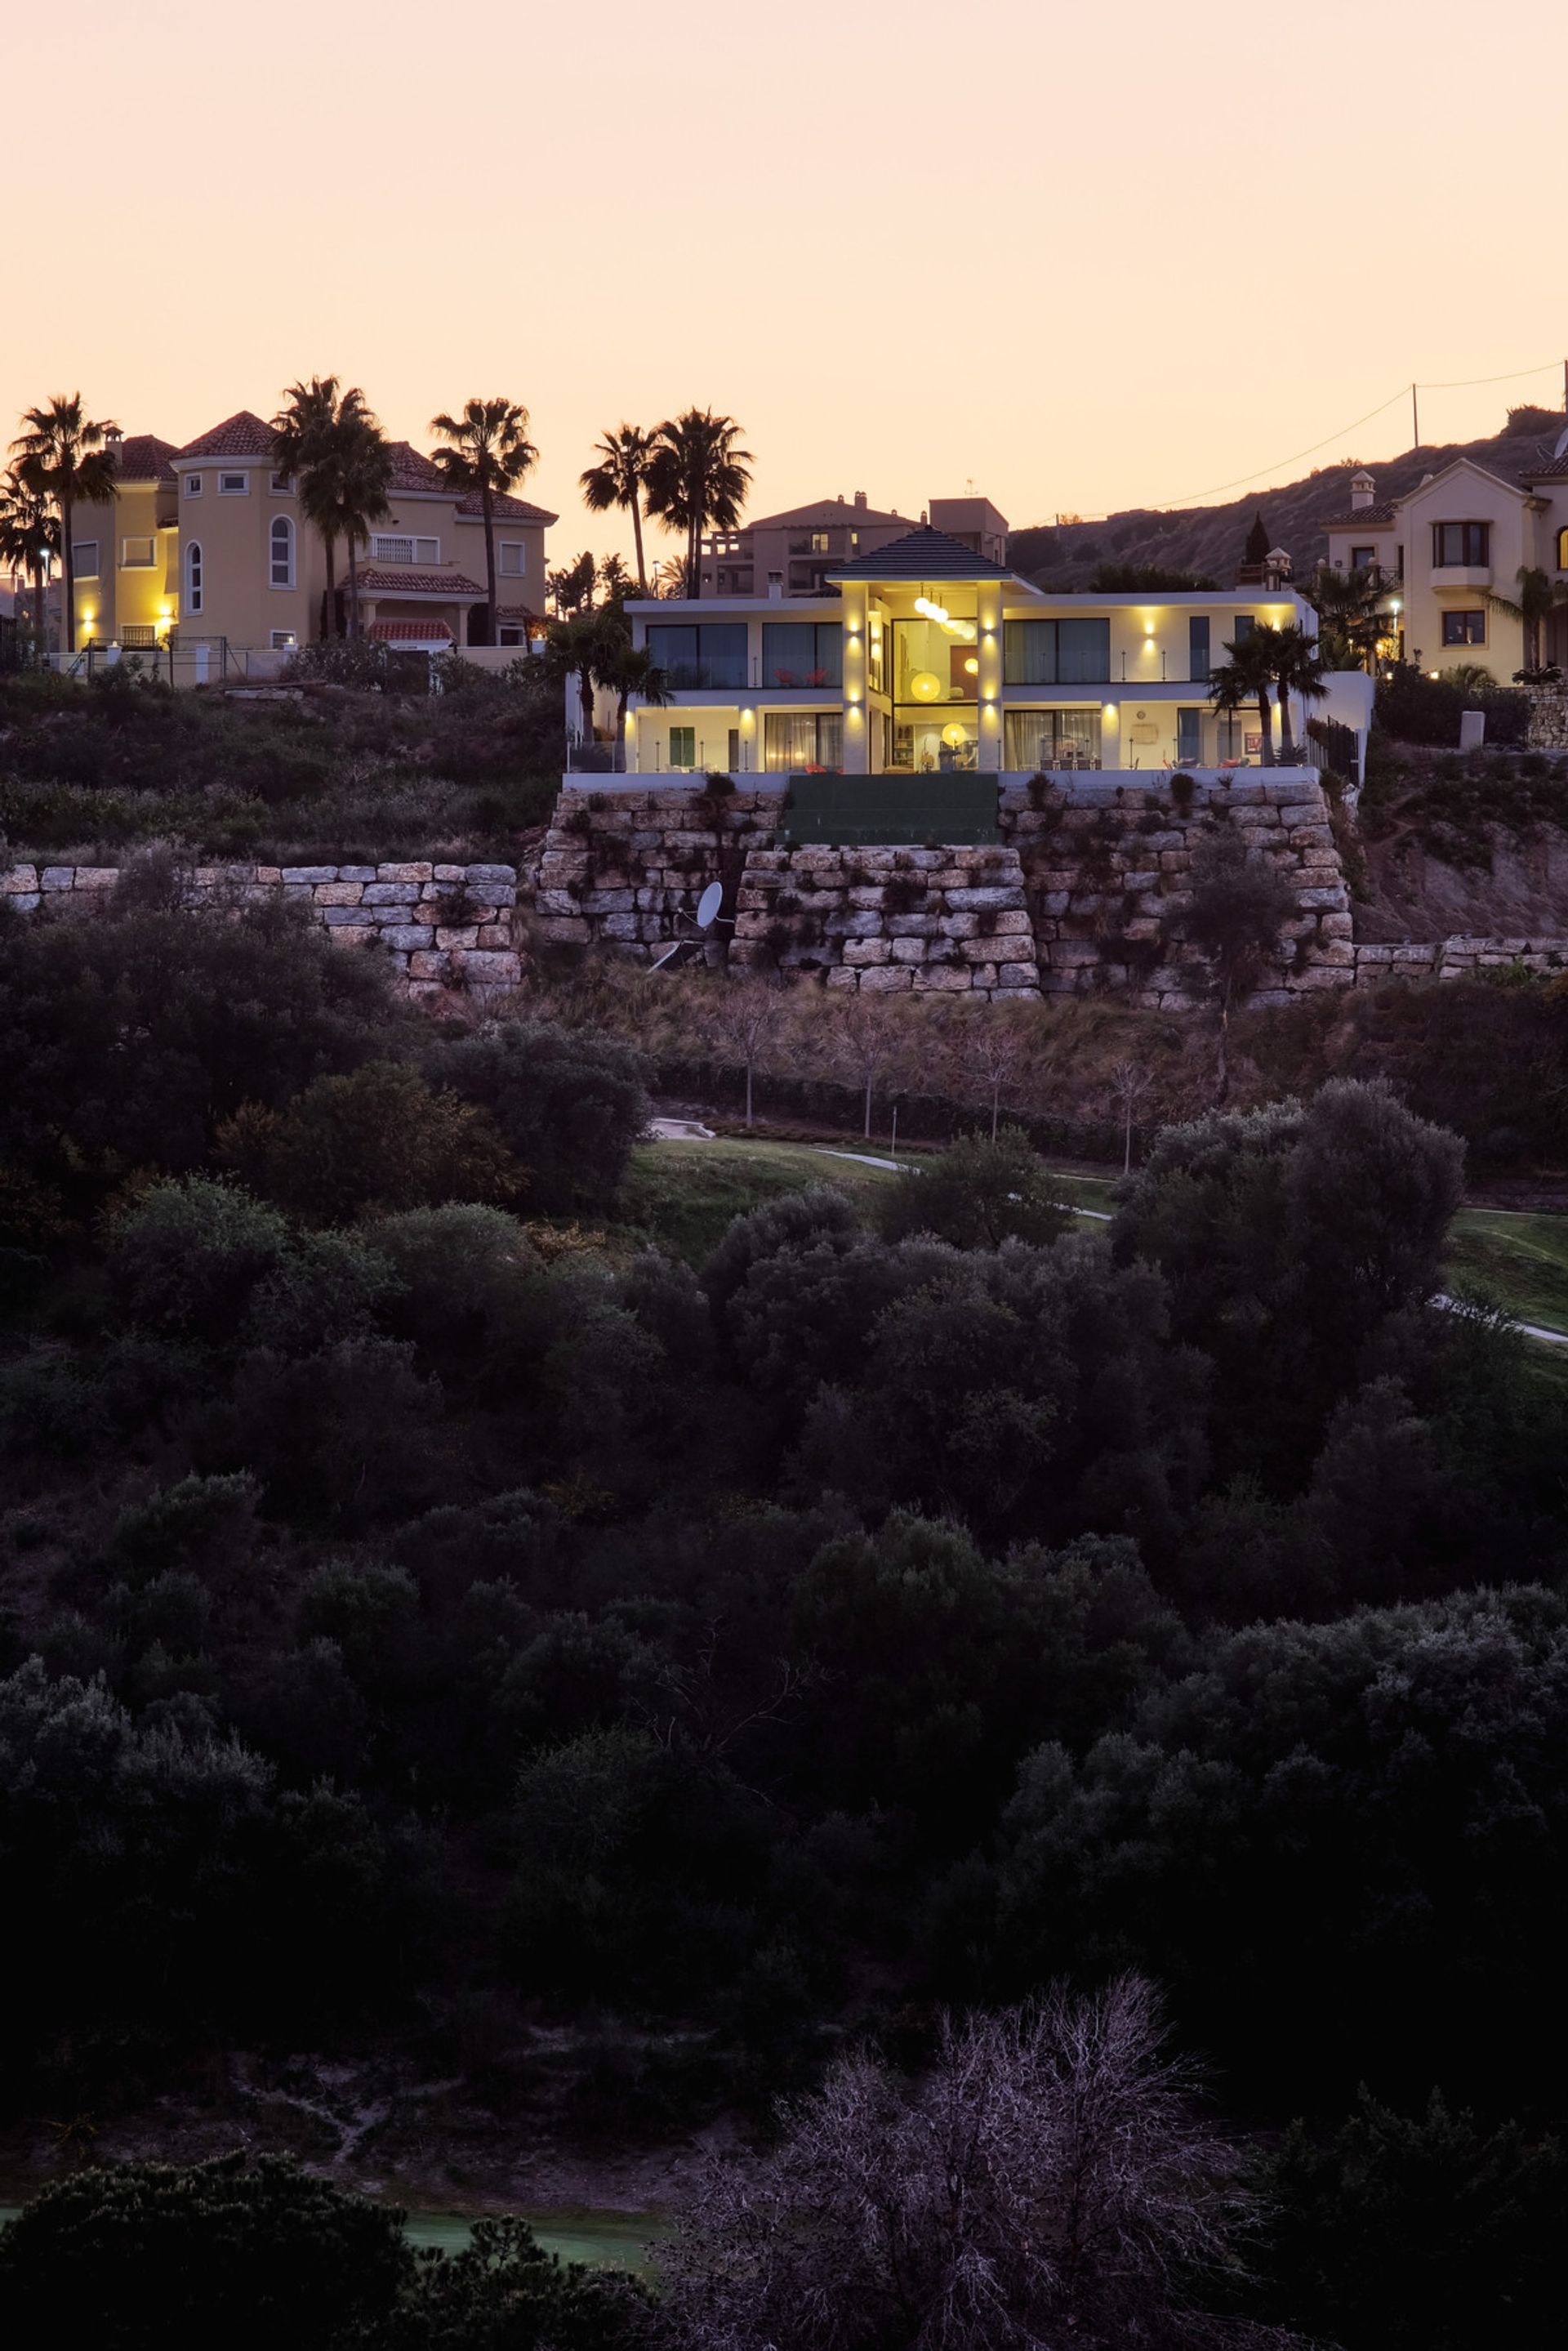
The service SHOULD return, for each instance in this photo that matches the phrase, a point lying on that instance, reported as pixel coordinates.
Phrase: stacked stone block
(1107, 864)
(890, 921)
(627, 866)
(444, 928)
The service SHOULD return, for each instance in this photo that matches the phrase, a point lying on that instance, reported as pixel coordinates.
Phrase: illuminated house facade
(1449, 551)
(206, 543)
(925, 656)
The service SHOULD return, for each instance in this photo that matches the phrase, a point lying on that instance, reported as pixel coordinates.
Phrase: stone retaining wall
(1106, 865)
(1548, 729)
(445, 929)
(920, 921)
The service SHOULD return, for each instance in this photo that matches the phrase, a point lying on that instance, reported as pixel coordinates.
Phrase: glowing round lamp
(925, 686)
(971, 668)
(954, 736)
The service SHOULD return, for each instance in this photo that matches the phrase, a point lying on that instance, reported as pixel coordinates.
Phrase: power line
(1242, 479)
(1459, 383)
(1463, 384)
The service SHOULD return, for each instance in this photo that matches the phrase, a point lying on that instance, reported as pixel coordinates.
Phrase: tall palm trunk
(636, 539)
(69, 562)
(1266, 715)
(1287, 734)
(329, 548)
(484, 500)
(38, 609)
(353, 589)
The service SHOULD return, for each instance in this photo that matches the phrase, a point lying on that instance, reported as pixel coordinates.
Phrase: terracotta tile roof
(1557, 471)
(240, 435)
(825, 512)
(923, 554)
(517, 509)
(412, 472)
(1376, 517)
(406, 579)
(143, 457)
(409, 633)
(517, 612)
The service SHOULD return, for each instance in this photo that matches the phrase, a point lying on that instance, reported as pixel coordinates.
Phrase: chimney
(776, 587)
(861, 498)
(1363, 491)
(112, 436)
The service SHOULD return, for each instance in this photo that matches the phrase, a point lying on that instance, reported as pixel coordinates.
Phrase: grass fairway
(1522, 1261)
(685, 1195)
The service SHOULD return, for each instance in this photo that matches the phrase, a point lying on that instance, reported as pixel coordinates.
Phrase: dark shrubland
(436, 1632)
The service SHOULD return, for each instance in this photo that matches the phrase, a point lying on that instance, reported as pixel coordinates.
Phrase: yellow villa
(204, 553)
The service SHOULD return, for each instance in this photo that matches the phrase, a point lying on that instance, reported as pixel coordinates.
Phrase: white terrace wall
(446, 930)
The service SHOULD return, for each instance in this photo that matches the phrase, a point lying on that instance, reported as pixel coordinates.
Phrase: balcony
(1460, 575)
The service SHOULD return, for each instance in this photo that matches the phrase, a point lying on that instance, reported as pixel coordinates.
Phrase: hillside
(1209, 540)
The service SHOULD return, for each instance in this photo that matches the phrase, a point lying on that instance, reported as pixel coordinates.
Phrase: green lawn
(1522, 1261)
(685, 1195)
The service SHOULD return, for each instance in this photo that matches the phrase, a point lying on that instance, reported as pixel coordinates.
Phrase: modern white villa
(924, 656)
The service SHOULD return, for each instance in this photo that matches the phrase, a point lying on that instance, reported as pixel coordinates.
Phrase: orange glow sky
(1086, 255)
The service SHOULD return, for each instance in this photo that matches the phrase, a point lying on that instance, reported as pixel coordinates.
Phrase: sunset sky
(1086, 256)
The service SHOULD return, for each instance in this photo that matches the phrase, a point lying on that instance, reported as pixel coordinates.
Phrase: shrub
(976, 1194)
(186, 1259)
(379, 1140)
(568, 1106)
(1414, 708)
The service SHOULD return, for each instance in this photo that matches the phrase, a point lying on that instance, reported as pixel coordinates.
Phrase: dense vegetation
(125, 760)
(425, 1623)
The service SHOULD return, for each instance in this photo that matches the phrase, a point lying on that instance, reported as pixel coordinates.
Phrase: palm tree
(61, 456)
(625, 669)
(29, 540)
(621, 480)
(491, 451)
(1351, 616)
(361, 474)
(317, 427)
(1299, 668)
(614, 582)
(698, 478)
(1247, 677)
(1538, 597)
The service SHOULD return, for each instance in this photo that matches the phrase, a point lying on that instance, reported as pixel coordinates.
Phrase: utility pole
(1415, 421)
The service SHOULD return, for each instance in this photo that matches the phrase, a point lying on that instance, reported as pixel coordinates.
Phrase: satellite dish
(708, 905)
(1561, 445)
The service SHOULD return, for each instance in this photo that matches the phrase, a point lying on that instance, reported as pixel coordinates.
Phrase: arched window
(193, 577)
(1562, 550)
(282, 552)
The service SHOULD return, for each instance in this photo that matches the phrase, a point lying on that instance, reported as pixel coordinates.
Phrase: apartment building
(928, 654)
(797, 552)
(1449, 548)
(207, 542)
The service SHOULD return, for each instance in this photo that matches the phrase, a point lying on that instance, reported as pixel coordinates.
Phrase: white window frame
(284, 640)
(281, 484)
(192, 586)
(234, 486)
(272, 547)
(148, 563)
(192, 485)
(382, 539)
(506, 547)
(80, 567)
